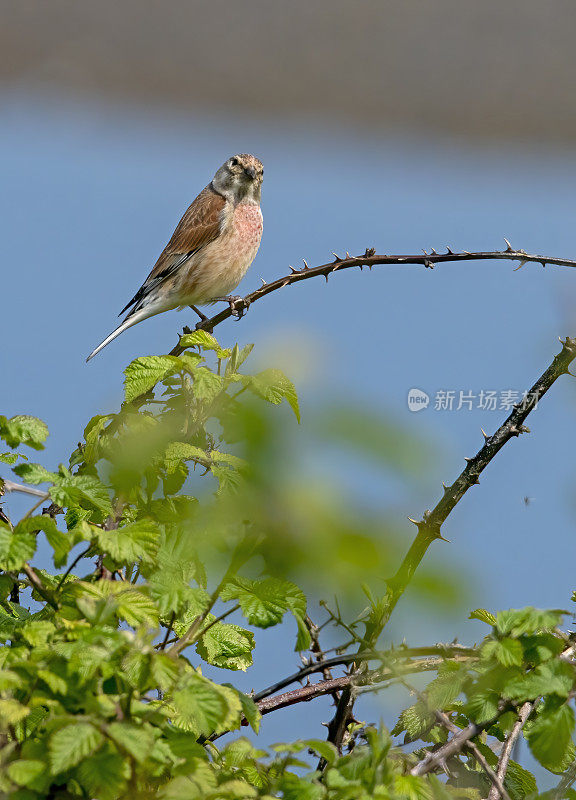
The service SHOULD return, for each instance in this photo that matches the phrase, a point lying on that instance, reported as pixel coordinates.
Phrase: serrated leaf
(484, 616)
(137, 540)
(143, 374)
(182, 451)
(519, 782)
(31, 773)
(200, 707)
(15, 548)
(508, 652)
(11, 458)
(550, 736)
(58, 541)
(516, 622)
(69, 745)
(415, 720)
(205, 341)
(105, 774)
(81, 490)
(136, 739)
(227, 646)
(34, 473)
(272, 385)
(23, 429)
(207, 385)
(136, 608)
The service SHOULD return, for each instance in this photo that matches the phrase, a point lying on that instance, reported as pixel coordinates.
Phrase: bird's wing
(200, 225)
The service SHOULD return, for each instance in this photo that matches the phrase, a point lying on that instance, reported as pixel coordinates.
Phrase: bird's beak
(250, 171)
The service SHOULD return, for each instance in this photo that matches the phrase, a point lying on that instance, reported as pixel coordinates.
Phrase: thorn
(336, 256)
(467, 252)
(443, 538)
(305, 264)
(450, 253)
(485, 435)
(292, 270)
(433, 252)
(428, 264)
(370, 251)
(543, 262)
(424, 251)
(414, 522)
(520, 265)
(348, 254)
(263, 281)
(467, 459)
(326, 274)
(446, 488)
(509, 248)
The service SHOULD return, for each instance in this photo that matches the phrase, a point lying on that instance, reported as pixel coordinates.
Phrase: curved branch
(371, 259)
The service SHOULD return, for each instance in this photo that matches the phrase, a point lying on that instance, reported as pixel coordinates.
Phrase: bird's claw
(238, 305)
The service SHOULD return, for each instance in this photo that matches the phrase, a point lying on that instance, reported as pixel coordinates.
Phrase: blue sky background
(90, 196)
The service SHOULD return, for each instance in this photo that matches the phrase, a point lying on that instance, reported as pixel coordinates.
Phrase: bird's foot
(238, 305)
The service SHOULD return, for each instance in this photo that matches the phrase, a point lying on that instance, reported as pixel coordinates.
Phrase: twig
(39, 586)
(442, 651)
(11, 486)
(72, 565)
(371, 259)
(523, 714)
(164, 642)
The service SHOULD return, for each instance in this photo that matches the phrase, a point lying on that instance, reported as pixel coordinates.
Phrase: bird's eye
(234, 162)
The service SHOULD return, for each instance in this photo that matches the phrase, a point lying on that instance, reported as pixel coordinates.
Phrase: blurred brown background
(476, 69)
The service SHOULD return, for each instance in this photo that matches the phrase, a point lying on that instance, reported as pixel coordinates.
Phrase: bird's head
(240, 178)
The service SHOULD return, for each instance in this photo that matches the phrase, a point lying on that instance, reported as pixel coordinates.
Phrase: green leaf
(444, 689)
(484, 616)
(31, 773)
(182, 451)
(205, 341)
(508, 652)
(143, 374)
(58, 541)
(552, 677)
(80, 490)
(105, 774)
(296, 788)
(249, 709)
(23, 429)
(137, 609)
(69, 745)
(136, 739)
(137, 540)
(34, 473)
(207, 385)
(519, 782)
(415, 720)
(516, 622)
(226, 646)
(272, 385)
(550, 736)
(15, 548)
(201, 707)
(10, 458)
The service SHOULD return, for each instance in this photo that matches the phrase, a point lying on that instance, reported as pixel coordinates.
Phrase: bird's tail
(130, 320)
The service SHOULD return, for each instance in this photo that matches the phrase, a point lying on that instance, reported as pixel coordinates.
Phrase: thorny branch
(429, 527)
(523, 714)
(371, 259)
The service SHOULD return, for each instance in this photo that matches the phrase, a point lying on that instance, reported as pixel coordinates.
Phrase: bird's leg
(202, 316)
(238, 305)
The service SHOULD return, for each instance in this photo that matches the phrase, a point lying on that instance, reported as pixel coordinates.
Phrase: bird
(210, 250)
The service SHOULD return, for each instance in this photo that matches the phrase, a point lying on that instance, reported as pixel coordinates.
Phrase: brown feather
(200, 225)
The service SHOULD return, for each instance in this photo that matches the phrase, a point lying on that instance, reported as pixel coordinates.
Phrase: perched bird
(209, 252)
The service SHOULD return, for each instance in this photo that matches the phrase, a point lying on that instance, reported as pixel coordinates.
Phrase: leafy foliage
(177, 532)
